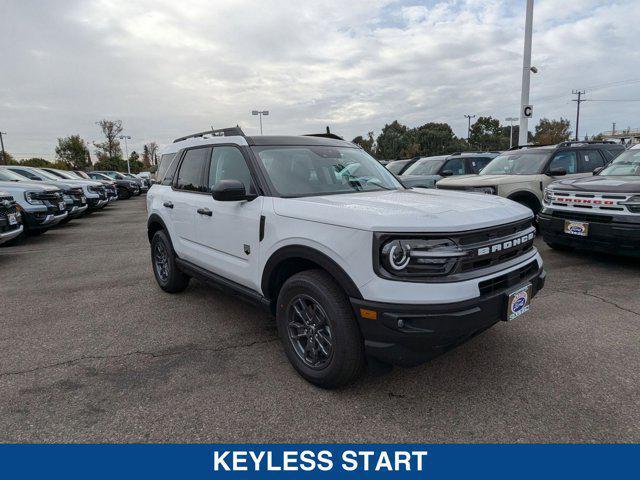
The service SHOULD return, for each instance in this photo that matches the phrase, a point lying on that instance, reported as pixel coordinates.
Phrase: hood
(415, 210)
(92, 183)
(600, 183)
(419, 180)
(23, 186)
(485, 180)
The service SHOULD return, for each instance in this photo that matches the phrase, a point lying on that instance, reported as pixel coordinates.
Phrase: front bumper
(77, 210)
(10, 234)
(408, 335)
(606, 233)
(97, 203)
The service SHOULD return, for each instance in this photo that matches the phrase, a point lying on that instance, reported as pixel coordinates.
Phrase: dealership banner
(299, 461)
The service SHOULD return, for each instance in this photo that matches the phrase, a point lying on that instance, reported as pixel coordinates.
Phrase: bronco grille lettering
(498, 247)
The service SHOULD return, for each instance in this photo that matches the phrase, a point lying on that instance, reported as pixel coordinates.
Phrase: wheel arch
(293, 259)
(154, 224)
(525, 196)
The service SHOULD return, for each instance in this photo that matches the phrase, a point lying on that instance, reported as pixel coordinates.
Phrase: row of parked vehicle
(33, 200)
(584, 194)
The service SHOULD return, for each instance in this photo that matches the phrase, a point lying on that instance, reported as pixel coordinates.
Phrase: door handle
(167, 204)
(205, 211)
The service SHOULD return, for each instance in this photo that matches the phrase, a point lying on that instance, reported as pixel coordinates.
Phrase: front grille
(502, 282)
(7, 206)
(53, 197)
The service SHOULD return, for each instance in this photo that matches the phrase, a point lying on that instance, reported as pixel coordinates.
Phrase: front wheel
(318, 330)
(124, 194)
(165, 269)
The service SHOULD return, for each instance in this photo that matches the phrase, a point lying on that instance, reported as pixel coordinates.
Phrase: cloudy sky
(167, 68)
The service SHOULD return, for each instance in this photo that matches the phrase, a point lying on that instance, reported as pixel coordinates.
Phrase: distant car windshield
(64, 174)
(519, 162)
(627, 163)
(322, 170)
(9, 176)
(425, 166)
(49, 175)
(397, 166)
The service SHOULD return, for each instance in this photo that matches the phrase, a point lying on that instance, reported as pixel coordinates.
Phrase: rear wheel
(165, 269)
(318, 330)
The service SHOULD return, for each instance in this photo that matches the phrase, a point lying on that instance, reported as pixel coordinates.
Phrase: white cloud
(167, 68)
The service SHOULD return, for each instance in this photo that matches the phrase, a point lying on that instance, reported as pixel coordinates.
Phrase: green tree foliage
(73, 152)
(8, 159)
(392, 143)
(117, 164)
(433, 139)
(35, 162)
(487, 134)
(550, 132)
(110, 148)
(367, 144)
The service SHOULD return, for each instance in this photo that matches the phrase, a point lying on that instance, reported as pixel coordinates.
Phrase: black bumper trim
(412, 334)
(610, 236)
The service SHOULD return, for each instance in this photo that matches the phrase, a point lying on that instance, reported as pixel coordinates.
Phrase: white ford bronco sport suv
(352, 264)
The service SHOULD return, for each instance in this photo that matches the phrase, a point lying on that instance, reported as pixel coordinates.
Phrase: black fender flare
(526, 195)
(154, 218)
(312, 255)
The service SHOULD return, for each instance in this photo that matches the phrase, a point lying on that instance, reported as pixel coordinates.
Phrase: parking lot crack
(159, 354)
(609, 302)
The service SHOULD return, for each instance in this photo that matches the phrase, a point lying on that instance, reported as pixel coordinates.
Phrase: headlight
(30, 198)
(633, 204)
(487, 190)
(408, 257)
(548, 196)
(92, 189)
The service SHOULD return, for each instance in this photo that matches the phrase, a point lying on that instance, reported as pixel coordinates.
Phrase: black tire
(329, 305)
(124, 194)
(163, 262)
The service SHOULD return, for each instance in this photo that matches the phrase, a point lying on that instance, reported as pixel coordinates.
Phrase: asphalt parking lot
(91, 350)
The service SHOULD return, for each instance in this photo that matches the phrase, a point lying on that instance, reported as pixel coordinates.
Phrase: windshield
(627, 163)
(425, 166)
(63, 174)
(46, 174)
(9, 176)
(521, 162)
(311, 170)
(396, 167)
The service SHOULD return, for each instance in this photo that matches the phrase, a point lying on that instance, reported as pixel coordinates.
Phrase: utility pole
(2, 160)
(126, 150)
(469, 127)
(613, 129)
(526, 76)
(579, 100)
(511, 120)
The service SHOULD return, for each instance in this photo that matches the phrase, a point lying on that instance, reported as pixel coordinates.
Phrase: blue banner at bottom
(299, 461)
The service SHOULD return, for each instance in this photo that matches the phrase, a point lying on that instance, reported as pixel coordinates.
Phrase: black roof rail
(328, 134)
(221, 132)
(530, 145)
(588, 142)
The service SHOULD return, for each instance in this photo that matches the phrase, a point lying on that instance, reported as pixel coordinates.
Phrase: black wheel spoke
(309, 331)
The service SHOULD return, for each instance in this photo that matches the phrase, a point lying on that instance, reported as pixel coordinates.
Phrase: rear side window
(610, 154)
(455, 165)
(26, 173)
(164, 164)
(590, 160)
(192, 168)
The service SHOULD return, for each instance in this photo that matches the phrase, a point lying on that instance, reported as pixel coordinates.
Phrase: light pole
(126, 150)
(260, 113)
(469, 127)
(525, 108)
(511, 120)
(2, 160)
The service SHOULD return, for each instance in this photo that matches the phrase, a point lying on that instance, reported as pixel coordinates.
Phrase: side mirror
(557, 172)
(446, 173)
(597, 170)
(231, 191)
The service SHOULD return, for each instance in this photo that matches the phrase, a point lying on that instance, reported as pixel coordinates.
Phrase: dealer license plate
(12, 219)
(519, 302)
(61, 206)
(581, 229)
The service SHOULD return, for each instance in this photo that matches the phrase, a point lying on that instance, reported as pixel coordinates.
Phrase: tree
(550, 132)
(8, 159)
(392, 142)
(73, 152)
(150, 154)
(110, 148)
(117, 164)
(368, 144)
(487, 134)
(35, 162)
(432, 139)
